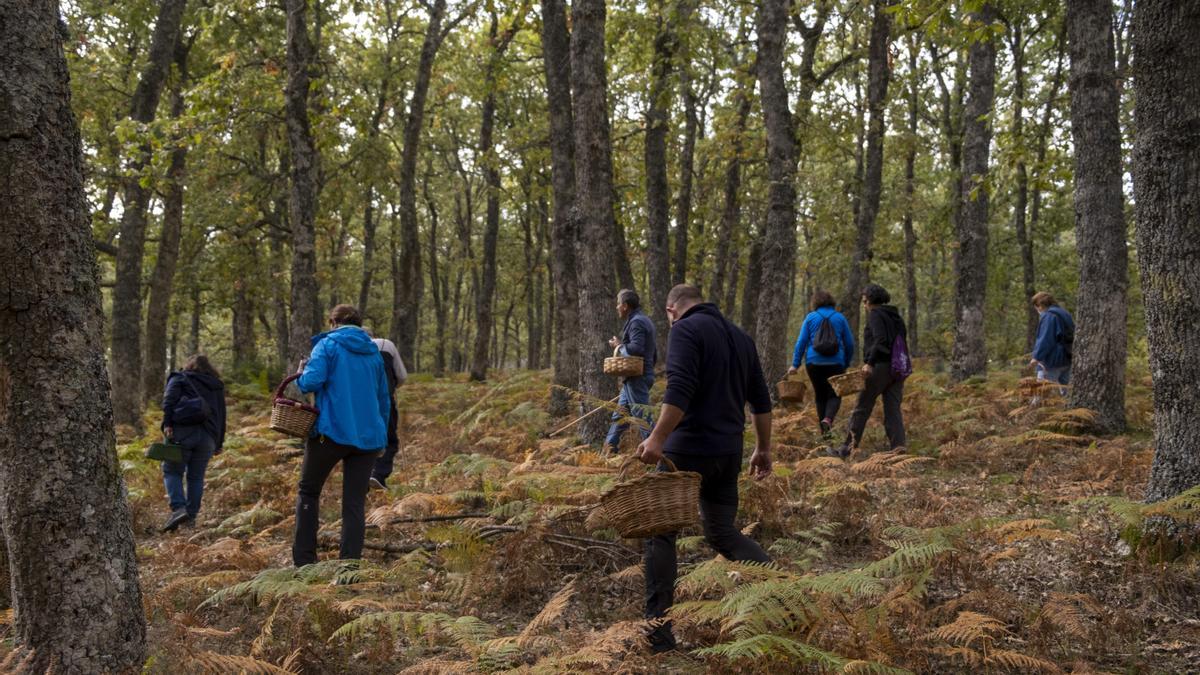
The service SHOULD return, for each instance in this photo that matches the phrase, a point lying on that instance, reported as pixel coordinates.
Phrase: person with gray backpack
(827, 344)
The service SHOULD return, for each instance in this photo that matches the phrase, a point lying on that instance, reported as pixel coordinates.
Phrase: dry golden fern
(1007, 554)
(1019, 662)
(259, 646)
(205, 631)
(634, 574)
(1071, 613)
(888, 463)
(414, 505)
(1030, 528)
(549, 614)
(1076, 421)
(969, 628)
(224, 664)
(440, 666)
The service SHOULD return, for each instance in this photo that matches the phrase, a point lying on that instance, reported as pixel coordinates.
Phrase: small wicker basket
(657, 502)
(847, 383)
(289, 416)
(623, 366)
(791, 390)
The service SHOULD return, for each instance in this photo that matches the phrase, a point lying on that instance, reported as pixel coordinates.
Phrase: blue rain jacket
(346, 374)
(808, 333)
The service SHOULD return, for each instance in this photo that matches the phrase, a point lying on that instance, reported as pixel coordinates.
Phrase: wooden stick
(579, 419)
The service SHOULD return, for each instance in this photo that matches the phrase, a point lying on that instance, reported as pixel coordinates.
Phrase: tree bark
(245, 352)
(687, 154)
(594, 178)
(1016, 44)
(162, 280)
(1098, 372)
(878, 76)
(407, 283)
(70, 548)
(970, 263)
(1035, 201)
(778, 256)
(731, 210)
(910, 236)
(750, 290)
(658, 208)
(305, 182)
(435, 282)
(1166, 180)
(556, 57)
(127, 293)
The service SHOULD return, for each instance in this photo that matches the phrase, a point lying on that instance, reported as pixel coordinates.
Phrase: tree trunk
(1016, 44)
(970, 263)
(556, 56)
(1035, 201)
(370, 220)
(687, 154)
(194, 328)
(162, 279)
(435, 282)
(77, 604)
(910, 236)
(878, 75)
(126, 369)
(658, 208)
(407, 283)
(279, 295)
(750, 291)
(731, 211)
(1098, 372)
(778, 256)
(245, 352)
(305, 181)
(1166, 180)
(594, 176)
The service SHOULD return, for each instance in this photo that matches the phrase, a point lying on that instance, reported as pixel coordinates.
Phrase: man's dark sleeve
(683, 368)
(757, 394)
(637, 339)
(877, 341)
(170, 400)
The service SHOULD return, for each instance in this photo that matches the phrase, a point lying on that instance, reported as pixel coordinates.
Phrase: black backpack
(191, 410)
(825, 342)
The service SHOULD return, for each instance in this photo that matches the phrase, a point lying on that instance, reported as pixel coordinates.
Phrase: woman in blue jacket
(345, 373)
(827, 343)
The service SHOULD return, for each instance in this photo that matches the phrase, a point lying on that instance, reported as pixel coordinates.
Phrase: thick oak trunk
(1166, 181)
(970, 262)
(1098, 372)
(70, 548)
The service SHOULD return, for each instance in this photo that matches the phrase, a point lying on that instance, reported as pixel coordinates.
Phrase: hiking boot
(377, 483)
(661, 639)
(175, 520)
(826, 427)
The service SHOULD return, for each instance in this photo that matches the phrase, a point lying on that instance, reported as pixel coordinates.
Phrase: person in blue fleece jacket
(345, 373)
(824, 360)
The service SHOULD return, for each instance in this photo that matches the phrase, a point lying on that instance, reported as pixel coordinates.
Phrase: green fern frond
(777, 646)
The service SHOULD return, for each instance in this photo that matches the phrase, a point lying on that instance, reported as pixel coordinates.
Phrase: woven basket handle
(283, 385)
(617, 350)
(634, 460)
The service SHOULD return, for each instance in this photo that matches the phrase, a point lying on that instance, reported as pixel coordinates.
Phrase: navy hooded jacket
(212, 390)
(638, 340)
(1050, 348)
(345, 372)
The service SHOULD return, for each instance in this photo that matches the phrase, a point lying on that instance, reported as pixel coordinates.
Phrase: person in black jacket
(713, 371)
(879, 334)
(202, 434)
(393, 368)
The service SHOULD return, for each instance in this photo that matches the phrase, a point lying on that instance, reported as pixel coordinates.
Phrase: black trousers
(826, 399)
(383, 465)
(320, 456)
(718, 509)
(879, 383)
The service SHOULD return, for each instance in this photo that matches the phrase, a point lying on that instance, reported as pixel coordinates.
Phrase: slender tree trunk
(127, 293)
(970, 292)
(731, 211)
(658, 208)
(594, 176)
(279, 296)
(751, 291)
(435, 282)
(369, 217)
(305, 181)
(778, 257)
(71, 563)
(687, 154)
(1016, 44)
(1035, 201)
(878, 76)
(910, 236)
(194, 328)
(1098, 372)
(162, 279)
(407, 283)
(556, 57)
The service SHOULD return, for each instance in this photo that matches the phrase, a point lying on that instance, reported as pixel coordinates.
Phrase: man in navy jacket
(637, 339)
(713, 371)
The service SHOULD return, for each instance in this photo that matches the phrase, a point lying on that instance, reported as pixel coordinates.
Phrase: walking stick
(579, 419)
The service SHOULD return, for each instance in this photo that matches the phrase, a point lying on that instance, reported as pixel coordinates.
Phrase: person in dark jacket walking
(396, 374)
(1055, 340)
(201, 433)
(713, 371)
(345, 372)
(882, 327)
(637, 339)
(824, 360)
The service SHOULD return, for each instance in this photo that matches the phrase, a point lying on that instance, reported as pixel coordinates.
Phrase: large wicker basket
(289, 416)
(657, 502)
(847, 383)
(791, 390)
(623, 366)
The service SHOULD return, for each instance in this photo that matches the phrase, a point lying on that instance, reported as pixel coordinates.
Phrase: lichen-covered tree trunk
(305, 182)
(910, 236)
(127, 291)
(594, 200)
(778, 254)
(970, 263)
(1166, 181)
(658, 207)
(1098, 372)
(76, 599)
(556, 58)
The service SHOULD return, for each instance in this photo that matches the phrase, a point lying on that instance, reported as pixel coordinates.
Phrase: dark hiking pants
(879, 383)
(826, 399)
(320, 456)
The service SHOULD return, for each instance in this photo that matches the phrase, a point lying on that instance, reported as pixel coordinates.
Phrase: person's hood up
(208, 381)
(351, 338)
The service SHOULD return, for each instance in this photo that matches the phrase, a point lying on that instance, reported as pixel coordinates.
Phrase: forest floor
(1004, 541)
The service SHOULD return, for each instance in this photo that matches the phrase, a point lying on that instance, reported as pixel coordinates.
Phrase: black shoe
(826, 427)
(189, 522)
(175, 520)
(661, 639)
(378, 483)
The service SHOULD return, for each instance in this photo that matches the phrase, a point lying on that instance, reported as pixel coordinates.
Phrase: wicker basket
(847, 383)
(657, 502)
(289, 416)
(623, 366)
(791, 390)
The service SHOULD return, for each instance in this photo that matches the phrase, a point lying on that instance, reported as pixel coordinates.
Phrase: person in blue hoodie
(345, 373)
(827, 344)
(1055, 340)
(637, 339)
(198, 427)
